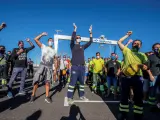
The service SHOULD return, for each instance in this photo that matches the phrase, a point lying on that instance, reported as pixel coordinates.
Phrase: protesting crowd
(136, 78)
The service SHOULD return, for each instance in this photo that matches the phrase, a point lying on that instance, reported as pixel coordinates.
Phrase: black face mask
(2, 51)
(135, 48)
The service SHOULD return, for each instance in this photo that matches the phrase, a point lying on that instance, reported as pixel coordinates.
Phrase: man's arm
(118, 68)
(91, 39)
(120, 44)
(3, 25)
(73, 36)
(130, 41)
(15, 54)
(31, 44)
(38, 38)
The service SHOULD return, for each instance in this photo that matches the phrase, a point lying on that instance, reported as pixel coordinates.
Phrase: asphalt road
(19, 108)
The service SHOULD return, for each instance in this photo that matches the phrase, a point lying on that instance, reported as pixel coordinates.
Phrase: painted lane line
(66, 102)
(95, 101)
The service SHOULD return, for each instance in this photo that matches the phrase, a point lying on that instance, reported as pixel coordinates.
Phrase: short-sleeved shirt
(86, 67)
(90, 66)
(154, 64)
(131, 57)
(98, 65)
(20, 60)
(63, 64)
(47, 57)
(112, 68)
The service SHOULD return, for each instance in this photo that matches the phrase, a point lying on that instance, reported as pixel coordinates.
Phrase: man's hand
(130, 41)
(20, 51)
(90, 29)
(27, 39)
(44, 34)
(75, 27)
(3, 25)
(143, 67)
(129, 33)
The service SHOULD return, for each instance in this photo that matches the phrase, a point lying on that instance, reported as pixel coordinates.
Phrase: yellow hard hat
(131, 70)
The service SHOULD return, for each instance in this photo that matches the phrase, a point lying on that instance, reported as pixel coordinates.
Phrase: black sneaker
(32, 99)
(48, 100)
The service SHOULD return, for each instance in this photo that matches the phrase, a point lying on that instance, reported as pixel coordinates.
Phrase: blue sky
(112, 18)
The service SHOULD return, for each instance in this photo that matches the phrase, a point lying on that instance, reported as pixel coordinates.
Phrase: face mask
(78, 40)
(2, 51)
(113, 57)
(50, 43)
(156, 50)
(98, 56)
(135, 48)
(64, 58)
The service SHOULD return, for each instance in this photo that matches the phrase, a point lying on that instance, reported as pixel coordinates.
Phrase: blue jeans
(15, 72)
(111, 80)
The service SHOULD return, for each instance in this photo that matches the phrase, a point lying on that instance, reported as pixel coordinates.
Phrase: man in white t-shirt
(45, 70)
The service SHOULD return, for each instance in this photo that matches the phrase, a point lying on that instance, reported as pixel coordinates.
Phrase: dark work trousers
(77, 74)
(90, 78)
(137, 85)
(3, 71)
(15, 72)
(154, 90)
(30, 71)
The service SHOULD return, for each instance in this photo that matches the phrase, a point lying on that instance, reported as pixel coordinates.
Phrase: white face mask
(78, 40)
(50, 43)
(98, 56)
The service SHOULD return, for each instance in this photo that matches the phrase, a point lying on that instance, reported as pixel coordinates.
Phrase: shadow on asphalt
(150, 113)
(35, 116)
(13, 103)
(74, 114)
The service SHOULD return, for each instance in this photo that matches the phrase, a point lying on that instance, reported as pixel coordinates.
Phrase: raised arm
(120, 42)
(38, 38)
(130, 41)
(73, 36)
(91, 38)
(31, 44)
(3, 25)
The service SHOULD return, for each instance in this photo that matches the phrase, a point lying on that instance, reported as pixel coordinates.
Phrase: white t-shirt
(86, 67)
(48, 54)
(63, 64)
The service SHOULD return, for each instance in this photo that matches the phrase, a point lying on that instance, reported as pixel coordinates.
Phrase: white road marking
(95, 101)
(66, 102)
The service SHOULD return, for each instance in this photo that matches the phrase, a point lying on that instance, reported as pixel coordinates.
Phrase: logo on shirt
(73, 72)
(114, 63)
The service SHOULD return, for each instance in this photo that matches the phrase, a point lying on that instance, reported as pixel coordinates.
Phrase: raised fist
(44, 34)
(129, 33)
(90, 29)
(27, 39)
(74, 25)
(130, 41)
(3, 25)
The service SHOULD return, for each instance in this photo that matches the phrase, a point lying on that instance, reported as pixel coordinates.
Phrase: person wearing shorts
(45, 70)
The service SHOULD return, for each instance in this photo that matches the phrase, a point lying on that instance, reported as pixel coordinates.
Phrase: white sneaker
(158, 105)
(84, 98)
